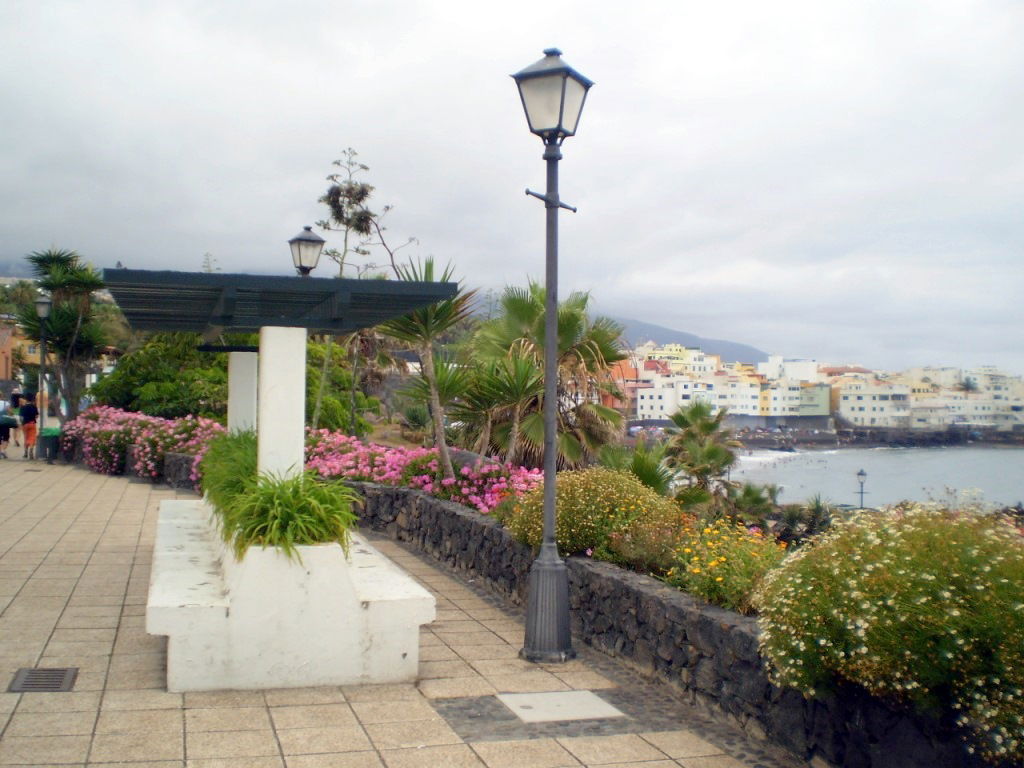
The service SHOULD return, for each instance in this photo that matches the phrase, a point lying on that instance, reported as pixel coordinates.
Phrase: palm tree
(420, 328)
(499, 391)
(701, 447)
(71, 331)
(586, 349)
(646, 462)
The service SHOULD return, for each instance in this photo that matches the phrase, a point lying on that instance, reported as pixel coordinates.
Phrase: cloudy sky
(838, 180)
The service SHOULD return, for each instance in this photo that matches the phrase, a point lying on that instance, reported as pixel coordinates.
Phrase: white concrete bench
(269, 622)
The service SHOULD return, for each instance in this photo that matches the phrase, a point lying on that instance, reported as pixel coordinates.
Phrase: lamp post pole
(861, 477)
(43, 304)
(553, 94)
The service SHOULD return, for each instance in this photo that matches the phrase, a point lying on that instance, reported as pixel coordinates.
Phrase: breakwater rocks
(707, 653)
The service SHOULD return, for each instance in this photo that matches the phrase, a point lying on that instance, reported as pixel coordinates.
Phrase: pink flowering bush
(482, 486)
(106, 433)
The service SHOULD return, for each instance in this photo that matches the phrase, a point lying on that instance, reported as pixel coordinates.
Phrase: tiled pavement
(75, 553)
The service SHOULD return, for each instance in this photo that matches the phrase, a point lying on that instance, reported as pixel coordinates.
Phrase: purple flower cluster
(482, 486)
(106, 433)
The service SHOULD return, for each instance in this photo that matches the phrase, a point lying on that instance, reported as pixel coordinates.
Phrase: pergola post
(281, 402)
(242, 379)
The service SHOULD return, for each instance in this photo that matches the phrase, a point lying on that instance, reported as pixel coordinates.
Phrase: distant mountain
(638, 332)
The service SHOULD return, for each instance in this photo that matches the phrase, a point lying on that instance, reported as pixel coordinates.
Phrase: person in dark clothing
(29, 416)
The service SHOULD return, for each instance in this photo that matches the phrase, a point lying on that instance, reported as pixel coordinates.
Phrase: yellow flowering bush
(918, 604)
(591, 504)
(723, 562)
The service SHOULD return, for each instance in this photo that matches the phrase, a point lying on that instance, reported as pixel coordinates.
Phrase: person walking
(16, 400)
(29, 416)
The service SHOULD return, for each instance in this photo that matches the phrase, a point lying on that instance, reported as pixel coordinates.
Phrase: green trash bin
(48, 444)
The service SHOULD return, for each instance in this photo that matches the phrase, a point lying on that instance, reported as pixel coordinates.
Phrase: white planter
(269, 622)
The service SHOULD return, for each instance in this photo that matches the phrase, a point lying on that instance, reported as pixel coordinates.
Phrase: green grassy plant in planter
(229, 467)
(289, 512)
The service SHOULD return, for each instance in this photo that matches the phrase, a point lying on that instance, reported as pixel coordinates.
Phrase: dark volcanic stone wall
(708, 653)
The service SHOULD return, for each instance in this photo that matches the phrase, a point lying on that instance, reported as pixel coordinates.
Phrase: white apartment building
(779, 367)
(680, 359)
(873, 403)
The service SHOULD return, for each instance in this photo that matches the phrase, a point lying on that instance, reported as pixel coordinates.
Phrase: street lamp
(43, 305)
(552, 93)
(861, 477)
(306, 247)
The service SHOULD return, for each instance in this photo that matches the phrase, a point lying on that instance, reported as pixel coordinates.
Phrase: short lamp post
(552, 93)
(861, 477)
(43, 306)
(306, 247)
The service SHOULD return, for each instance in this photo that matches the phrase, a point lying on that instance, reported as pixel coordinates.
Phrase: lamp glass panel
(542, 98)
(296, 247)
(574, 95)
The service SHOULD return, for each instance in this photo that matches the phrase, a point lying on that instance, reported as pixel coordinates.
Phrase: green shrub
(288, 512)
(918, 604)
(724, 563)
(591, 504)
(649, 543)
(228, 467)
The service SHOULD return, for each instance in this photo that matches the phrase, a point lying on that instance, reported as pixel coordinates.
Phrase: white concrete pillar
(281, 404)
(242, 378)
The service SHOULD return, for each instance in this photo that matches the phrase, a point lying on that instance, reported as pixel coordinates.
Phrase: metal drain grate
(43, 680)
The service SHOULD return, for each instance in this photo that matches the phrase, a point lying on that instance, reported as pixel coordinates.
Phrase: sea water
(994, 474)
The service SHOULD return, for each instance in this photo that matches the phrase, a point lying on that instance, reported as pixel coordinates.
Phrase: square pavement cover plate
(558, 705)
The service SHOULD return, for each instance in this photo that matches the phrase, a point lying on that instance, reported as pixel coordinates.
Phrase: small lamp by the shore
(861, 477)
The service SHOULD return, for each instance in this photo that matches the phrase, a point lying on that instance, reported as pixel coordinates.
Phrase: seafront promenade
(75, 551)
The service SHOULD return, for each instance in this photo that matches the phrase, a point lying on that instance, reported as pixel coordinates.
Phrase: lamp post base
(547, 618)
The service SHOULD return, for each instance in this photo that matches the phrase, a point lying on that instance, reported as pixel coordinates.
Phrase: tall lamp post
(552, 93)
(861, 477)
(306, 247)
(43, 305)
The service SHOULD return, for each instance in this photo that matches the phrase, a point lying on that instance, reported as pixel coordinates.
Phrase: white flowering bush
(918, 604)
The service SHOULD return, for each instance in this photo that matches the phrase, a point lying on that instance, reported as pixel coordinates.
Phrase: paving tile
(437, 653)
(50, 724)
(681, 743)
(313, 716)
(138, 745)
(416, 733)
(386, 692)
(266, 761)
(225, 719)
(453, 668)
(306, 741)
(717, 761)
(452, 756)
(528, 681)
(503, 666)
(144, 721)
(203, 744)
(468, 638)
(485, 652)
(337, 760)
(456, 687)
(533, 753)
(585, 681)
(600, 750)
(145, 699)
(71, 701)
(43, 750)
(394, 711)
(206, 699)
(298, 696)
